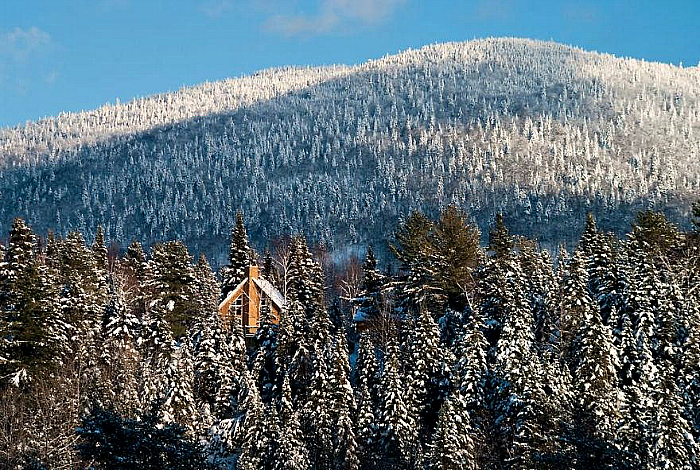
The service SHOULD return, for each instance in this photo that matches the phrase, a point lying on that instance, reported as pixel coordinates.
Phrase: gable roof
(271, 291)
(233, 293)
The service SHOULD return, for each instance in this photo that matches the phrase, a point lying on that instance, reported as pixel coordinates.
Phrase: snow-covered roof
(271, 291)
(232, 293)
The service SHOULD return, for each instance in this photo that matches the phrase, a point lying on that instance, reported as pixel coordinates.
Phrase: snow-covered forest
(540, 132)
(450, 355)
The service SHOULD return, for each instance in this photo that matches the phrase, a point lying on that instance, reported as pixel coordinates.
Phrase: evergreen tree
(219, 361)
(206, 288)
(239, 258)
(264, 370)
(119, 355)
(318, 417)
(596, 379)
(177, 401)
(170, 285)
(424, 376)
(135, 261)
(292, 453)
(471, 367)
(396, 427)
(99, 249)
(31, 331)
(673, 446)
(255, 440)
(343, 408)
(452, 447)
(500, 240)
(371, 297)
(113, 442)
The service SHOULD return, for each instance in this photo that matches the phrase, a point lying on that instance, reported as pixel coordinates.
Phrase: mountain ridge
(530, 128)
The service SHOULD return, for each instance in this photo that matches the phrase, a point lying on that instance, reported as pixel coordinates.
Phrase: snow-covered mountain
(540, 131)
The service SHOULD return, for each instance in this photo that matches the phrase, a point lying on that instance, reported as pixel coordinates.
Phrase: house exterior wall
(251, 296)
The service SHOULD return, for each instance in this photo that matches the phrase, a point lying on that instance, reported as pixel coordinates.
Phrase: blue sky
(68, 55)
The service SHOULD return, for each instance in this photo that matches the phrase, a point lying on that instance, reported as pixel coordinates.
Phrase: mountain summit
(536, 130)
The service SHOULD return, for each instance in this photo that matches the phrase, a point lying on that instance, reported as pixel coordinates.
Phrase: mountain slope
(540, 131)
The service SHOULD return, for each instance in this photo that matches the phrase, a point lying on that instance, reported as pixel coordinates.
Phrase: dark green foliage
(30, 333)
(500, 240)
(654, 233)
(113, 442)
(592, 366)
(170, 286)
(239, 257)
(437, 259)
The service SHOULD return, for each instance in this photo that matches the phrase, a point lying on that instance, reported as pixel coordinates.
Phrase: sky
(72, 55)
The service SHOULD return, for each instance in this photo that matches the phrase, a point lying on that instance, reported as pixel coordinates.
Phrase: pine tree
(31, 330)
(292, 453)
(396, 427)
(343, 408)
(239, 258)
(170, 285)
(424, 376)
(451, 447)
(500, 240)
(673, 446)
(99, 249)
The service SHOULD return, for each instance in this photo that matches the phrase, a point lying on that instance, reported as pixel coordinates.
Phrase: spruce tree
(596, 379)
(32, 330)
(673, 446)
(239, 258)
(206, 288)
(396, 426)
(371, 296)
(99, 249)
(424, 375)
(451, 446)
(343, 409)
(292, 453)
(500, 240)
(170, 285)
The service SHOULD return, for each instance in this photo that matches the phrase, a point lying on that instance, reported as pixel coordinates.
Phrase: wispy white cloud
(332, 15)
(216, 9)
(19, 44)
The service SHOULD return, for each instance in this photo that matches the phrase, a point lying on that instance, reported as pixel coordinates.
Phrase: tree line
(455, 355)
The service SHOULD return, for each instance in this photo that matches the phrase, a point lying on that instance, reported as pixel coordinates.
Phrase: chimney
(253, 272)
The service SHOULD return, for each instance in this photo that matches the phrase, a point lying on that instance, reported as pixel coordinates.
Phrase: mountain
(537, 130)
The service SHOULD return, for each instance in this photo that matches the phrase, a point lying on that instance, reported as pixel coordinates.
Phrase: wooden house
(249, 300)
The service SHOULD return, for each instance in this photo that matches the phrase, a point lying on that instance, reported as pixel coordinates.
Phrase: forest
(541, 132)
(452, 354)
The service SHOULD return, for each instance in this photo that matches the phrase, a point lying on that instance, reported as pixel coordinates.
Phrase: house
(249, 300)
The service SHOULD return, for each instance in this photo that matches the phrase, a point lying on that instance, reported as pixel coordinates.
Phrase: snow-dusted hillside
(540, 131)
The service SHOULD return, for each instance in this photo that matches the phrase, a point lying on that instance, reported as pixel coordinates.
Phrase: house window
(236, 310)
